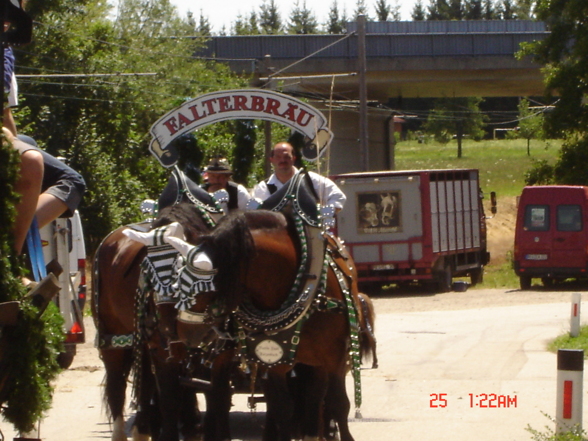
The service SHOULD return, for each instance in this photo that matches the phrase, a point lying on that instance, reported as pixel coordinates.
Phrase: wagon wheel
(525, 282)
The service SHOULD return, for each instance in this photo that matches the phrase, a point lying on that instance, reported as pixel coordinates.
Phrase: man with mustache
(282, 158)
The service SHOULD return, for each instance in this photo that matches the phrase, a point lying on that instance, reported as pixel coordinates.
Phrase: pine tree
(455, 10)
(473, 10)
(489, 11)
(253, 26)
(524, 9)
(438, 10)
(418, 11)
(269, 18)
(361, 9)
(335, 24)
(383, 10)
(204, 27)
(395, 11)
(302, 20)
(506, 10)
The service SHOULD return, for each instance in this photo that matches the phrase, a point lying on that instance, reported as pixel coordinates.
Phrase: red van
(551, 237)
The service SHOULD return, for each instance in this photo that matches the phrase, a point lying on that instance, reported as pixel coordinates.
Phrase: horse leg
(168, 385)
(147, 418)
(189, 414)
(117, 363)
(312, 389)
(218, 400)
(337, 407)
(280, 407)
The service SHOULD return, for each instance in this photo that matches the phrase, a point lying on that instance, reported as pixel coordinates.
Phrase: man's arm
(243, 197)
(260, 191)
(328, 191)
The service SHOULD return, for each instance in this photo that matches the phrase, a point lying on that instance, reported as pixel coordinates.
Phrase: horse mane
(229, 246)
(188, 215)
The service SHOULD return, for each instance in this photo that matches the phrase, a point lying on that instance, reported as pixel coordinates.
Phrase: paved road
(445, 347)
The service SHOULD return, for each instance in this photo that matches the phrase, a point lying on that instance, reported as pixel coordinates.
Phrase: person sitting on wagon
(282, 158)
(219, 174)
(48, 187)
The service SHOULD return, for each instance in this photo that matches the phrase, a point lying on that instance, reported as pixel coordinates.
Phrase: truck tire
(370, 288)
(445, 279)
(477, 276)
(525, 282)
(547, 281)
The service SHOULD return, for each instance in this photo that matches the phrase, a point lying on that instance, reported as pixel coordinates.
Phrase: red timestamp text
(492, 401)
(483, 401)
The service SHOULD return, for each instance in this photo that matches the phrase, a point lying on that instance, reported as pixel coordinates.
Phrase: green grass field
(502, 165)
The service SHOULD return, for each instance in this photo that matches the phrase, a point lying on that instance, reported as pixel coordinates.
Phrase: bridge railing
(412, 44)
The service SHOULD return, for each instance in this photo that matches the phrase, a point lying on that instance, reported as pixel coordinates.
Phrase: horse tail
(230, 246)
(367, 334)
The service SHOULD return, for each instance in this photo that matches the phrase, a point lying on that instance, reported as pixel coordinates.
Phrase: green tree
(395, 12)
(457, 117)
(455, 10)
(361, 8)
(101, 123)
(418, 11)
(383, 10)
(473, 10)
(246, 25)
(204, 27)
(269, 18)
(335, 23)
(302, 20)
(530, 123)
(506, 10)
(438, 10)
(563, 54)
(489, 10)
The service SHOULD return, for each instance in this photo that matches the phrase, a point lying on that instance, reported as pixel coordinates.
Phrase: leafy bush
(28, 351)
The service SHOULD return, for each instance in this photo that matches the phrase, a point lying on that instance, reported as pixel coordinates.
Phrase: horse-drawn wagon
(275, 293)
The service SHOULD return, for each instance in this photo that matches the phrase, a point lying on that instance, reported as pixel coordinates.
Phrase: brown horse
(115, 282)
(323, 341)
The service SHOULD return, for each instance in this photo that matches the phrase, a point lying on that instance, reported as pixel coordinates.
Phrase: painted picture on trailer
(378, 212)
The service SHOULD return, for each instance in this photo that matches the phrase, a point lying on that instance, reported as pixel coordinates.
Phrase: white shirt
(243, 197)
(327, 190)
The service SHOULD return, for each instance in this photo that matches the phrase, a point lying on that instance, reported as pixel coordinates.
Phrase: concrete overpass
(409, 59)
(426, 59)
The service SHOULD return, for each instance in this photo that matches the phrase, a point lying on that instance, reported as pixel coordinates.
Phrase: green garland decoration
(28, 351)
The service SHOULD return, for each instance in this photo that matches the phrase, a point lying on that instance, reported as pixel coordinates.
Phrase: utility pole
(267, 125)
(363, 119)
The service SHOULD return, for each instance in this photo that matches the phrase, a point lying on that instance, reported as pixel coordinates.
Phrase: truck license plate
(383, 267)
(536, 257)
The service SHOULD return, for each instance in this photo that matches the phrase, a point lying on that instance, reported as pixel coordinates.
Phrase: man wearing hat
(219, 174)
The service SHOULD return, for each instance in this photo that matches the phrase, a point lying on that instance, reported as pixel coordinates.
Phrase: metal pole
(575, 315)
(363, 120)
(570, 370)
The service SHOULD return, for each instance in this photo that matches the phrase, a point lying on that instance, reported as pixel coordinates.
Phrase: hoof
(118, 430)
(139, 436)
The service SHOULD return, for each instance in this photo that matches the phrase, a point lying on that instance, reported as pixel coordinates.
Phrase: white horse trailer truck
(406, 227)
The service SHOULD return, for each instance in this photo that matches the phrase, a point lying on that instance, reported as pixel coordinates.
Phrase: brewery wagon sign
(240, 104)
